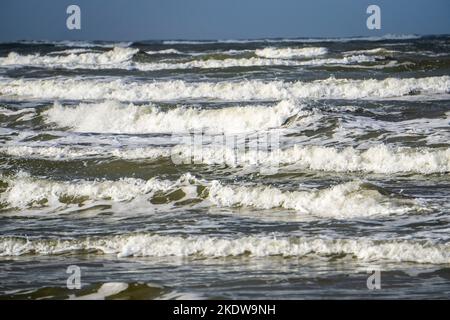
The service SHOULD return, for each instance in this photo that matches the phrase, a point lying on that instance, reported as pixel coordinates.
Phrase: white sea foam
(193, 53)
(371, 51)
(164, 51)
(115, 58)
(24, 191)
(214, 64)
(76, 153)
(123, 90)
(121, 58)
(69, 51)
(114, 117)
(52, 152)
(377, 159)
(150, 245)
(348, 200)
(250, 62)
(432, 130)
(287, 53)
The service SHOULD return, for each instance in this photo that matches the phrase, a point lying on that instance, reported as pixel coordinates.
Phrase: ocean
(235, 169)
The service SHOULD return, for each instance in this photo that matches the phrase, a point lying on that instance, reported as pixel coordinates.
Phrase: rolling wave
(251, 62)
(380, 159)
(122, 58)
(288, 53)
(87, 56)
(331, 88)
(353, 199)
(398, 37)
(115, 58)
(165, 51)
(114, 117)
(153, 245)
(381, 51)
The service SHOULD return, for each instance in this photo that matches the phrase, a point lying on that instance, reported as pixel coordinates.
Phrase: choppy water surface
(361, 181)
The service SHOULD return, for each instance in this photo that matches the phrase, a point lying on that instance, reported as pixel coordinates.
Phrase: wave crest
(227, 90)
(288, 53)
(118, 57)
(148, 245)
(348, 200)
(114, 117)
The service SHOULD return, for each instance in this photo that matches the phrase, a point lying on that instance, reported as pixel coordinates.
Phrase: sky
(129, 20)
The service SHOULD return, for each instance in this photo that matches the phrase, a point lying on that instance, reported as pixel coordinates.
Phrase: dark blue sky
(217, 19)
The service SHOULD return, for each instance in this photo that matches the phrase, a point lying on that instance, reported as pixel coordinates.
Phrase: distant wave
(371, 51)
(116, 58)
(165, 51)
(306, 40)
(250, 62)
(287, 53)
(79, 44)
(121, 58)
(111, 44)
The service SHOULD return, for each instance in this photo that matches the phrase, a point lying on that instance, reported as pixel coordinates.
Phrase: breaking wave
(116, 58)
(152, 245)
(122, 58)
(348, 200)
(123, 90)
(24, 191)
(287, 53)
(249, 62)
(343, 201)
(114, 117)
(377, 159)
(164, 51)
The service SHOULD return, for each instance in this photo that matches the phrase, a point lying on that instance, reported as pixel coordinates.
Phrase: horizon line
(388, 36)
